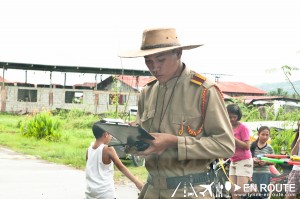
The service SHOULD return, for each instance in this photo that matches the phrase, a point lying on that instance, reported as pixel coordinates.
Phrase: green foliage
(70, 150)
(76, 118)
(86, 121)
(9, 123)
(270, 113)
(282, 140)
(295, 96)
(251, 114)
(73, 113)
(41, 126)
(279, 92)
(114, 114)
(287, 70)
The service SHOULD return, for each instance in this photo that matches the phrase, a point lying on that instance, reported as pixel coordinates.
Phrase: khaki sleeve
(217, 140)
(140, 108)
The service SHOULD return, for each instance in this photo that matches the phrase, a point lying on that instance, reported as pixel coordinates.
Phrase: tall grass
(41, 126)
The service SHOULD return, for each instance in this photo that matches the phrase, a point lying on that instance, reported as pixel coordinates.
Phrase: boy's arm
(114, 157)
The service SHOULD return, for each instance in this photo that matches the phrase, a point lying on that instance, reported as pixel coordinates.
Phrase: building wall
(53, 98)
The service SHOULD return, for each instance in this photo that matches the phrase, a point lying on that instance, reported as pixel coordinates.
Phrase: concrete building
(25, 97)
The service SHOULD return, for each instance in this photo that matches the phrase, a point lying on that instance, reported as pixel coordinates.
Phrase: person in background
(185, 113)
(100, 160)
(241, 166)
(294, 176)
(261, 169)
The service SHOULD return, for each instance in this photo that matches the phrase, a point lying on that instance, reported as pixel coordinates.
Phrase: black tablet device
(127, 135)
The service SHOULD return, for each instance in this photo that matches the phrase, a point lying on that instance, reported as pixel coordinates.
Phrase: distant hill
(286, 86)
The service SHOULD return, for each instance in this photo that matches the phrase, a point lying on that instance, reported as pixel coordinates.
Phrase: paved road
(26, 177)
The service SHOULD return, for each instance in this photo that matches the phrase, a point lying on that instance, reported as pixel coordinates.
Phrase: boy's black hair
(235, 109)
(97, 131)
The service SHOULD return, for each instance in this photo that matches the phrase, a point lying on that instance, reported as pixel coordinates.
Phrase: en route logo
(189, 191)
(207, 189)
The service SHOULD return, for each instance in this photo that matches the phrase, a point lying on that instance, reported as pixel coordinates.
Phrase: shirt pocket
(182, 121)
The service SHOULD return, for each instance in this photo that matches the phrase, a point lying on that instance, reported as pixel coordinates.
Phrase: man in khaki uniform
(185, 112)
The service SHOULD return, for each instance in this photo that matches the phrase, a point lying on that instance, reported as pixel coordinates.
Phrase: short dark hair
(97, 131)
(262, 128)
(235, 109)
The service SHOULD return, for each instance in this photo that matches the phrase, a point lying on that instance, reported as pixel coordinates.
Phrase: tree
(287, 70)
(279, 92)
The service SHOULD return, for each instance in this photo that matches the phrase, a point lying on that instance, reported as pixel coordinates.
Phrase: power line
(216, 75)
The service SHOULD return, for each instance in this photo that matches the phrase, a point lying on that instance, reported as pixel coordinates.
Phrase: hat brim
(142, 53)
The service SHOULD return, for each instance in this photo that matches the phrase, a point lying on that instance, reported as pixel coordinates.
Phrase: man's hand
(161, 142)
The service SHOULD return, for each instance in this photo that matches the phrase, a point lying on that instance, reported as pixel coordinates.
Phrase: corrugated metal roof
(73, 69)
(252, 99)
(86, 84)
(239, 87)
(134, 81)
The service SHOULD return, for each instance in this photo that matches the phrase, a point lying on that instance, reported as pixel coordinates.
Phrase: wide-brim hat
(158, 40)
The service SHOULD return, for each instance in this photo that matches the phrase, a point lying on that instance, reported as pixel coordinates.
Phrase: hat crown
(159, 38)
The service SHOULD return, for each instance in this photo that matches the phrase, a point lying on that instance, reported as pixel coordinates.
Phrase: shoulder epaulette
(152, 80)
(198, 79)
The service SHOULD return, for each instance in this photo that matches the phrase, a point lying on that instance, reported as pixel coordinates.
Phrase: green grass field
(70, 150)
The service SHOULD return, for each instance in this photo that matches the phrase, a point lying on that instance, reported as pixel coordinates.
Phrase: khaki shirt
(163, 109)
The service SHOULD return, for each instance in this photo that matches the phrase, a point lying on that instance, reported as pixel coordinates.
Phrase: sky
(244, 40)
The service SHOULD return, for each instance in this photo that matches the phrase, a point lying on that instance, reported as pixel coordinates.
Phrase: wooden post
(3, 93)
(51, 98)
(50, 79)
(3, 99)
(96, 102)
(65, 79)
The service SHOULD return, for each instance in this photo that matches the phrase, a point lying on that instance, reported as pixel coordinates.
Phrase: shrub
(282, 140)
(41, 126)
